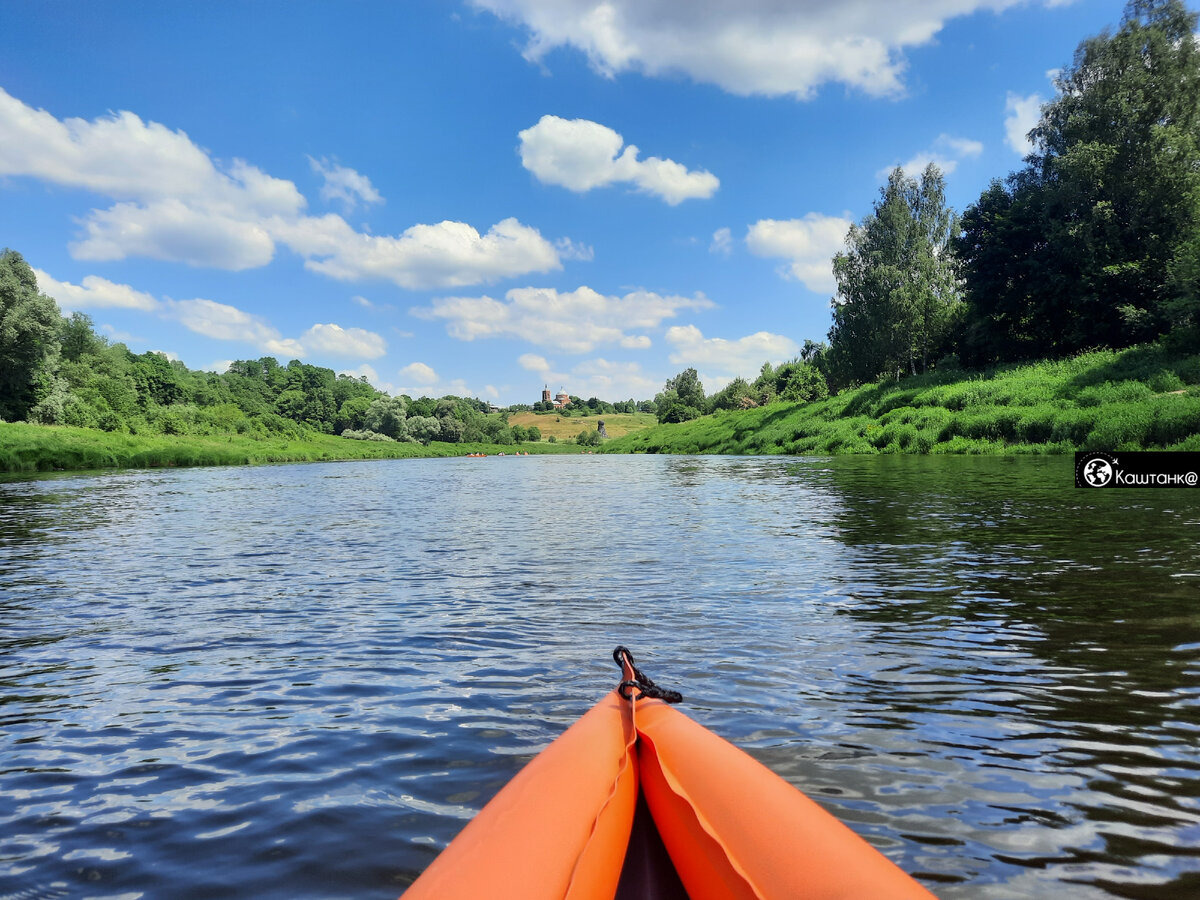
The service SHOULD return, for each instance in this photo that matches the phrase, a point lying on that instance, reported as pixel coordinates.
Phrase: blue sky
(484, 197)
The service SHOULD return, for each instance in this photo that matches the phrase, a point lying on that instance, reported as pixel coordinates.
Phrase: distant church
(560, 399)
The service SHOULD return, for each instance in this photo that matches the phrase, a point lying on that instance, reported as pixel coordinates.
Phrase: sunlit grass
(41, 448)
(566, 428)
(1141, 398)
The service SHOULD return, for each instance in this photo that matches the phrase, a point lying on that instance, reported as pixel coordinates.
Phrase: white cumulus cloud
(423, 381)
(419, 372)
(1021, 115)
(767, 47)
(727, 359)
(533, 363)
(174, 231)
(122, 157)
(448, 254)
(334, 340)
(611, 380)
(93, 292)
(173, 202)
(579, 155)
(570, 321)
(809, 244)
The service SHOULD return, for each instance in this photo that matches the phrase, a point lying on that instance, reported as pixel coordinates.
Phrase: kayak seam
(616, 782)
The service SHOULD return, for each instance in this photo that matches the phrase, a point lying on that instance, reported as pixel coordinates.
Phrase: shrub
(1174, 421)
(1036, 426)
(804, 383)
(1072, 427)
(1189, 370)
(367, 436)
(1165, 383)
(1123, 428)
(1109, 392)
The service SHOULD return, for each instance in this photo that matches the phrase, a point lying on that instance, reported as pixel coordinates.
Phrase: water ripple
(302, 680)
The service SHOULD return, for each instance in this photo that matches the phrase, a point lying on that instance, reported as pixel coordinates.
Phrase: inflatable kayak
(636, 800)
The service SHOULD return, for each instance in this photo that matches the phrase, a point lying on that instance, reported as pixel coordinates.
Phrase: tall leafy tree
(1089, 244)
(29, 339)
(682, 398)
(687, 387)
(897, 282)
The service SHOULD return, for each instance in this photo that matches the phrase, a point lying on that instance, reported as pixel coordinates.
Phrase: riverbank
(46, 448)
(1140, 398)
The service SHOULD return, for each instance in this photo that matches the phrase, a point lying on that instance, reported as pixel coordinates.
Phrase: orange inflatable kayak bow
(636, 800)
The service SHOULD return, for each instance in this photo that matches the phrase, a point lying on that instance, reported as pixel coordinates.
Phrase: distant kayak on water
(637, 800)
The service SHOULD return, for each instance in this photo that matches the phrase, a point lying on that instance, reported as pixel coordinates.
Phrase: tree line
(1094, 243)
(56, 370)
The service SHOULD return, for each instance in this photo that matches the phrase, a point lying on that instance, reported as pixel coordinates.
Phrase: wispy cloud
(722, 242)
(345, 186)
(946, 153)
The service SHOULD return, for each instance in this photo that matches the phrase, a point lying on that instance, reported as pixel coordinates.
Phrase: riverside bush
(1174, 421)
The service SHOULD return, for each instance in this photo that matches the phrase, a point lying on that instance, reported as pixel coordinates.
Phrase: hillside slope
(1140, 398)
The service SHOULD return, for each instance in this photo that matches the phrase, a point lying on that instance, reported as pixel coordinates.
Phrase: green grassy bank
(1140, 398)
(43, 448)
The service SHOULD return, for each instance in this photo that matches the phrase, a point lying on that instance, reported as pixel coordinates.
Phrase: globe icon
(1097, 472)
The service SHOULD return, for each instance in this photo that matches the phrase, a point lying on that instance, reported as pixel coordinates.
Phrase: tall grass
(41, 448)
(1140, 398)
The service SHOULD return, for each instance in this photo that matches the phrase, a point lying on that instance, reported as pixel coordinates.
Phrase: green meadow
(1139, 398)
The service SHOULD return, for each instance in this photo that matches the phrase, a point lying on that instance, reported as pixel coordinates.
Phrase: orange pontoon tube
(637, 800)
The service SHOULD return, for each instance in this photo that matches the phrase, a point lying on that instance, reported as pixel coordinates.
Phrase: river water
(302, 680)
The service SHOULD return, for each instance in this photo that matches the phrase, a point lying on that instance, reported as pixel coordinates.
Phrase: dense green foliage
(1096, 242)
(58, 371)
(1145, 397)
(897, 282)
(682, 397)
(28, 339)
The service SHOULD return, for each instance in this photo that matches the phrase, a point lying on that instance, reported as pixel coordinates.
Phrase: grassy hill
(1140, 398)
(564, 428)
